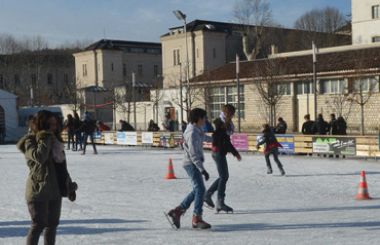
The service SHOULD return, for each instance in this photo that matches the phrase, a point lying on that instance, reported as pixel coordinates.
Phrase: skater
(271, 148)
(193, 164)
(221, 145)
(89, 128)
(228, 112)
(78, 132)
(44, 150)
(69, 127)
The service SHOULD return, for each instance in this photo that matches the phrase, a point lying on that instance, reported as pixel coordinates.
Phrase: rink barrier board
(366, 146)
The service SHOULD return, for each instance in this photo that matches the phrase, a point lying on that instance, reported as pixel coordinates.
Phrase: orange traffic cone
(170, 174)
(363, 188)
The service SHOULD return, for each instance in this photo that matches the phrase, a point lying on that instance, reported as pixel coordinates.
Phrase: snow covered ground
(122, 195)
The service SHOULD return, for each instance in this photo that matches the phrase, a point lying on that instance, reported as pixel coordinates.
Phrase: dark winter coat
(42, 182)
(89, 126)
(281, 128)
(208, 128)
(270, 141)
(321, 127)
(221, 143)
(308, 128)
(342, 126)
(333, 127)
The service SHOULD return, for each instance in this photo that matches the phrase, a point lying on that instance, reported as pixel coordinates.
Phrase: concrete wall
(364, 28)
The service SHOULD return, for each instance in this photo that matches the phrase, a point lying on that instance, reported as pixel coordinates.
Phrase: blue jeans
(220, 184)
(198, 190)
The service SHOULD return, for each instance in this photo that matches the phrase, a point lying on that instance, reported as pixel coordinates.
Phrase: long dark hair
(41, 120)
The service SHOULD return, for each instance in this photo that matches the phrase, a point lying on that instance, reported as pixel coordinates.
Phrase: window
(305, 88)
(375, 12)
(84, 70)
(153, 51)
(214, 53)
(284, 88)
(155, 71)
(176, 57)
(49, 78)
(17, 79)
(225, 95)
(124, 70)
(334, 86)
(368, 84)
(376, 39)
(140, 70)
(66, 78)
(2, 81)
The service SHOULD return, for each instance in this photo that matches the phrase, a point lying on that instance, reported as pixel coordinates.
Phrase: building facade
(212, 44)
(40, 77)
(365, 21)
(347, 82)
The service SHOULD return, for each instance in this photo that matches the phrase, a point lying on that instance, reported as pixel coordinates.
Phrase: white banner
(109, 138)
(131, 138)
(147, 138)
(121, 138)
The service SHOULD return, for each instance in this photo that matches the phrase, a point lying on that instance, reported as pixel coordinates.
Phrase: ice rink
(122, 196)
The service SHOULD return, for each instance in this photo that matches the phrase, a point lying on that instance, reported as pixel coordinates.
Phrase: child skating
(221, 145)
(193, 164)
(271, 148)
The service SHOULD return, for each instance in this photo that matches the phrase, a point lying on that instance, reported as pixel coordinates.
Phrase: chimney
(274, 49)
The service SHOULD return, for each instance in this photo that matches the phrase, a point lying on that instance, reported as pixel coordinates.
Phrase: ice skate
(174, 217)
(221, 206)
(269, 171)
(199, 223)
(282, 171)
(208, 201)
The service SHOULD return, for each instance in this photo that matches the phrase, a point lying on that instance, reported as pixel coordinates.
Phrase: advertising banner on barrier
(335, 145)
(240, 142)
(147, 138)
(109, 138)
(97, 135)
(121, 138)
(287, 142)
(166, 140)
(131, 138)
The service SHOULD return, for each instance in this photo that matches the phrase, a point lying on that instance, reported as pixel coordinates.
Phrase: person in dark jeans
(78, 131)
(221, 145)
(89, 128)
(271, 148)
(69, 127)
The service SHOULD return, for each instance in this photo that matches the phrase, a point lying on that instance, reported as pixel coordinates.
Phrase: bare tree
(327, 20)
(255, 15)
(270, 88)
(342, 104)
(363, 90)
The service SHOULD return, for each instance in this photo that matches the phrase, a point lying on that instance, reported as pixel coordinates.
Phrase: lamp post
(182, 17)
(134, 98)
(315, 80)
(181, 90)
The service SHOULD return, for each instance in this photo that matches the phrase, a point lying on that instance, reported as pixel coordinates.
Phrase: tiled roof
(298, 65)
(121, 45)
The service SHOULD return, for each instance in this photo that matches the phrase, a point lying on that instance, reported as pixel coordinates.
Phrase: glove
(238, 157)
(205, 174)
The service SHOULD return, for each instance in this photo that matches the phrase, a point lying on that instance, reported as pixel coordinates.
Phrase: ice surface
(122, 196)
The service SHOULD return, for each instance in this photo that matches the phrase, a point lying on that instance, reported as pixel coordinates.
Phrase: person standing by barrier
(342, 126)
(43, 151)
(271, 148)
(221, 145)
(193, 164)
(78, 131)
(308, 126)
(321, 127)
(333, 125)
(281, 126)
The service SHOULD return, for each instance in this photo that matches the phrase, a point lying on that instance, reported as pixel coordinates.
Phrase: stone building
(365, 21)
(344, 76)
(43, 77)
(212, 44)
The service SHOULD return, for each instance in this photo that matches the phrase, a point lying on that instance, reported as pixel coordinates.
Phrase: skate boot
(207, 199)
(221, 206)
(199, 223)
(175, 216)
(282, 171)
(269, 171)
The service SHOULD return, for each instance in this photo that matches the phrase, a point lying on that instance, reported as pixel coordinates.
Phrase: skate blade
(170, 221)
(224, 212)
(208, 207)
